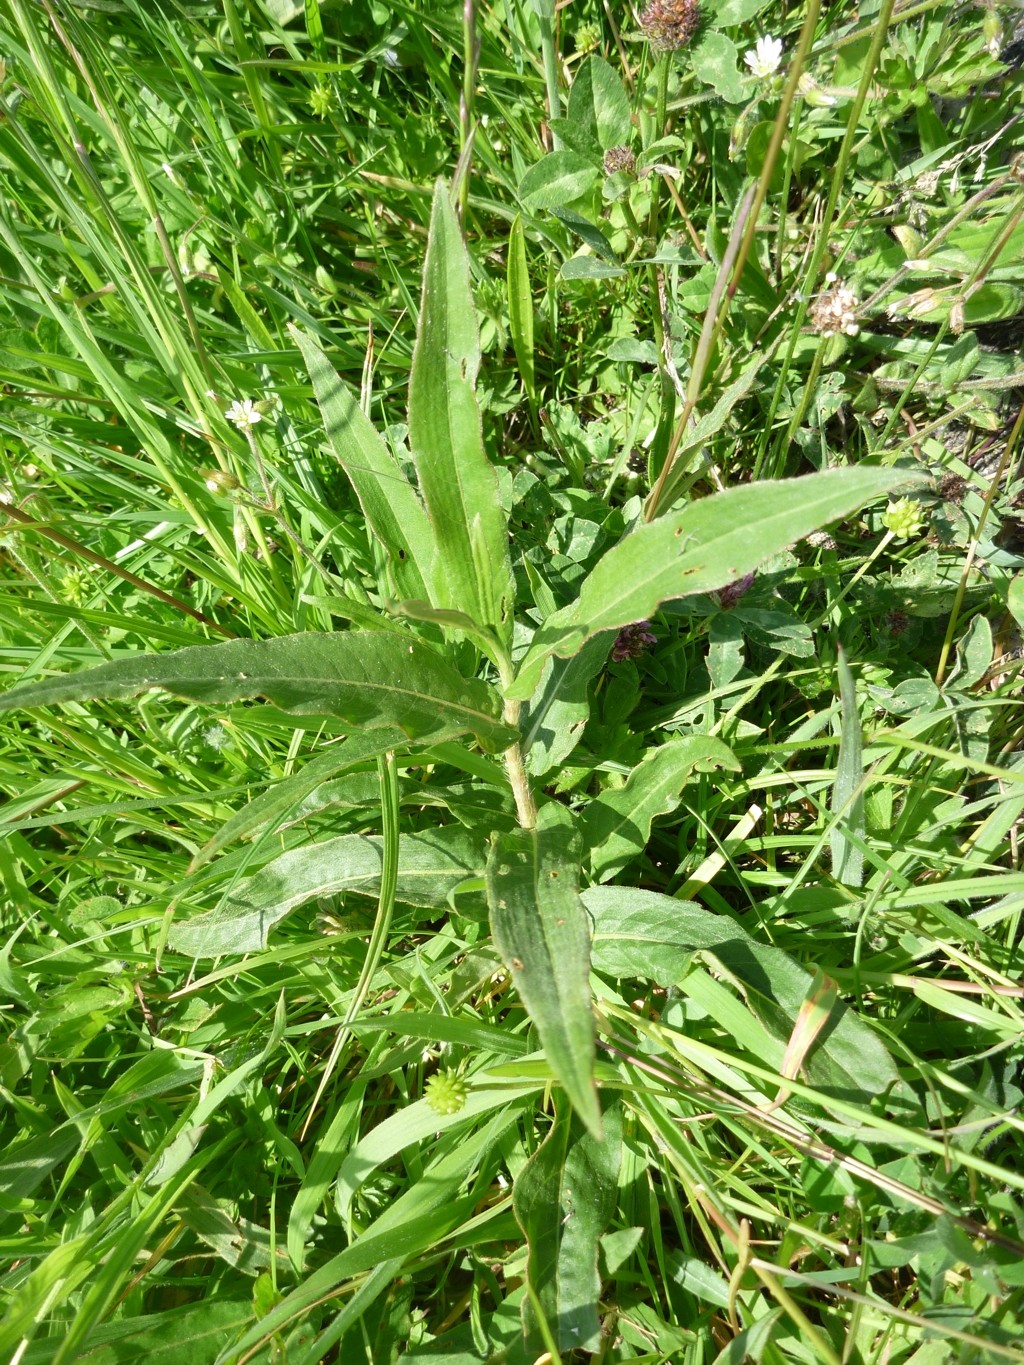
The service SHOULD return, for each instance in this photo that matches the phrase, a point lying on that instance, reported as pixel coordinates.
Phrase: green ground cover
(510, 608)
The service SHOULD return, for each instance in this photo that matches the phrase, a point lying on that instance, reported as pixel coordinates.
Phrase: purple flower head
(731, 594)
(633, 641)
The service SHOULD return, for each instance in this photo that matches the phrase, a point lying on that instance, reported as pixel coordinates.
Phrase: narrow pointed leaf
(367, 678)
(700, 548)
(287, 796)
(458, 483)
(558, 714)
(541, 930)
(563, 1199)
(617, 825)
(520, 305)
(649, 936)
(430, 866)
(390, 503)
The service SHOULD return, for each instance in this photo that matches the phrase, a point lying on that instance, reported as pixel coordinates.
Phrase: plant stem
(515, 767)
(470, 54)
(546, 20)
(972, 549)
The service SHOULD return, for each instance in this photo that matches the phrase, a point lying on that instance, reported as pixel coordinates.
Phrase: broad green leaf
(286, 797)
(554, 723)
(598, 104)
(367, 678)
(780, 628)
(472, 572)
(726, 652)
(653, 937)
(564, 1198)
(700, 548)
(541, 931)
(191, 1335)
(848, 830)
(520, 305)
(390, 504)
(733, 12)
(431, 865)
(617, 825)
(974, 654)
(699, 1279)
(714, 63)
(1015, 598)
(558, 179)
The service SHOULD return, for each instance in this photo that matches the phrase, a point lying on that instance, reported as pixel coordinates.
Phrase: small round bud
(668, 24)
(220, 481)
(905, 518)
(619, 159)
(446, 1092)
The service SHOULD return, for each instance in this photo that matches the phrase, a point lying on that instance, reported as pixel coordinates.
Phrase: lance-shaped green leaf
(563, 1199)
(617, 825)
(472, 571)
(430, 866)
(653, 937)
(284, 800)
(520, 306)
(367, 678)
(558, 714)
(390, 503)
(700, 548)
(541, 930)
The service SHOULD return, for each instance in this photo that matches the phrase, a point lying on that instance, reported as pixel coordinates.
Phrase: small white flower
(765, 56)
(216, 737)
(244, 413)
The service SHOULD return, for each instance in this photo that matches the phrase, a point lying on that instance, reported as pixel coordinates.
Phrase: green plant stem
(881, 28)
(764, 180)
(470, 55)
(515, 766)
(546, 20)
(66, 543)
(387, 772)
(660, 492)
(972, 549)
(660, 115)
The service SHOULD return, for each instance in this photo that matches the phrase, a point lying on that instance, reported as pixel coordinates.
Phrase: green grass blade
(849, 830)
